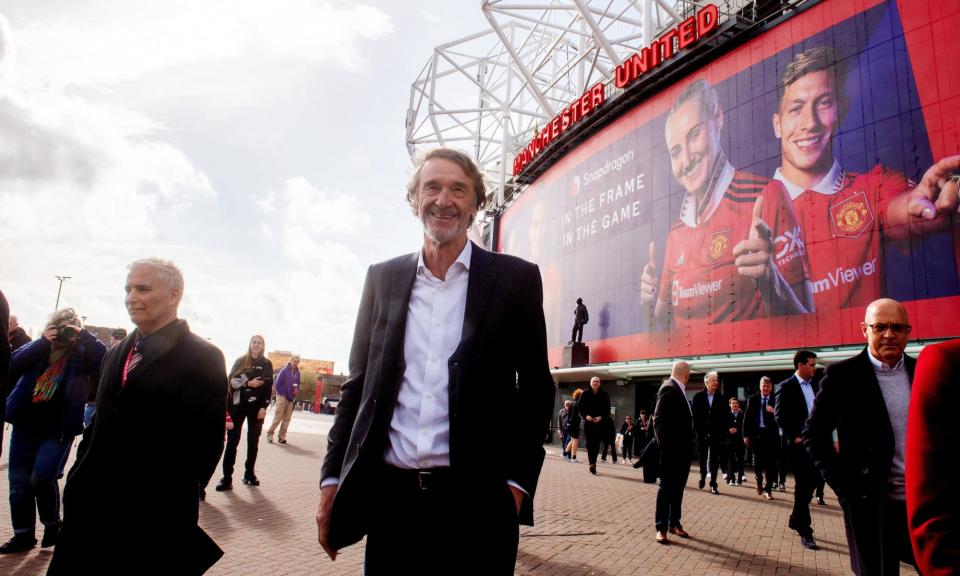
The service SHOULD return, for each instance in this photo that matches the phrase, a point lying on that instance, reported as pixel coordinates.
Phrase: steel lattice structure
(488, 93)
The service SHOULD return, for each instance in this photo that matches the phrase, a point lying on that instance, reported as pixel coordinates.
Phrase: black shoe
(251, 480)
(50, 534)
(808, 542)
(226, 483)
(19, 543)
(282, 441)
(701, 483)
(593, 469)
(821, 501)
(782, 487)
(714, 491)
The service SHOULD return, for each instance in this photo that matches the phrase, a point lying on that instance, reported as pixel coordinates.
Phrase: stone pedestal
(575, 355)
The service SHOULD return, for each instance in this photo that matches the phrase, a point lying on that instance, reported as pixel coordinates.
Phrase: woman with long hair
(251, 385)
(46, 409)
(575, 426)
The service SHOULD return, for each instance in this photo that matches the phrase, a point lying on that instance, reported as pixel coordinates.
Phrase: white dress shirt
(419, 433)
(807, 388)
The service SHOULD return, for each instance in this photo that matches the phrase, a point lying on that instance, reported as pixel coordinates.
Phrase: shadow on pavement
(766, 563)
(528, 563)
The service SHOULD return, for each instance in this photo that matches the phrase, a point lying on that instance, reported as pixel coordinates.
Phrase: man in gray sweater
(865, 399)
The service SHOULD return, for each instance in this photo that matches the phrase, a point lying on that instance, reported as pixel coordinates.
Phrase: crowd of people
(414, 414)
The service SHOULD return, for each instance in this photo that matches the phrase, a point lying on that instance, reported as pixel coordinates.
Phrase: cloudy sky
(260, 145)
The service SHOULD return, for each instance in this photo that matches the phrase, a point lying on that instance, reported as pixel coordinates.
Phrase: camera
(66, 333)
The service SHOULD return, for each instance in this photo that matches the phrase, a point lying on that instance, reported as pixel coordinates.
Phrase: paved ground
(585, 525)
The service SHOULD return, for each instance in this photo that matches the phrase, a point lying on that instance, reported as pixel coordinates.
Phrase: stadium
(636, 148)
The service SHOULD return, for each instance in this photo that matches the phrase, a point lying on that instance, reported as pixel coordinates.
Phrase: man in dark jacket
(594, 407)
(673, 427)
(4, 361)
(709, 420)
(16, 335)
(793, 405)
(760, 432)
(131, 502)
(865, 399)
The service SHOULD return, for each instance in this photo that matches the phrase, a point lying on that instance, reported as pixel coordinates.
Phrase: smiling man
(131, 500)
(845, 215)
(445, 338)
(865, 399)
(734, 252)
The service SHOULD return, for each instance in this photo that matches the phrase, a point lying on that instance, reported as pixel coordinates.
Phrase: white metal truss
(488, 93)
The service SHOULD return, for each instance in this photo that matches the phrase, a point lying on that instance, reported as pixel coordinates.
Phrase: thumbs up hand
(650, 279)
(754, 256)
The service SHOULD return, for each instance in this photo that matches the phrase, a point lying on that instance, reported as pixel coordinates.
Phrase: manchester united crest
(853, 216)
(719, 243)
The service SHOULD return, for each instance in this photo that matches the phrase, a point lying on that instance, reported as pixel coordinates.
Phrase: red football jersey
(842, 233)
(699, 277)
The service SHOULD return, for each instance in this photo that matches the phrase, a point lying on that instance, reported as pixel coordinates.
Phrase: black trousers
(783, 462)
(441, 524)
(673, 479)
(595, 432)
(240, 413)
(734, 452)
(805, 476)
(710, 456)
(878, 536)
(766, 448)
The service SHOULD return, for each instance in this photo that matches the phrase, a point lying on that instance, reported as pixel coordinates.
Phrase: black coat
(850, 402)
(4, 357)
(18, 337)
(594, 404)
(710, 420)
(791, 406)
(751, 419)
(131, 498)
(673, 427)
(502, 354)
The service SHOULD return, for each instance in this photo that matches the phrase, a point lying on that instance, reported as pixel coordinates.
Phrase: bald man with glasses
(866, 399)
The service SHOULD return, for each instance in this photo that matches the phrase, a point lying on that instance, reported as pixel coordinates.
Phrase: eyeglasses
(882, 327)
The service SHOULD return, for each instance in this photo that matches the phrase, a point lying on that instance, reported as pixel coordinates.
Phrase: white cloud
(122, 41)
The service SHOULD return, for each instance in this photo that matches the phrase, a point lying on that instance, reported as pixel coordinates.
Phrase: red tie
(133, 358)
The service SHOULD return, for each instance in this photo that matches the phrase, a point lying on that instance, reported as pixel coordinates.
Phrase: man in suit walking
(865, 399)
(793, 405)
(710, 422)
(439, 333)
(673, 427)
(131, 501)
(760, 433)
(594, 408)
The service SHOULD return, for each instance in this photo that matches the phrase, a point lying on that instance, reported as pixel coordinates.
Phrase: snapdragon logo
(609, 166)
(698, 289)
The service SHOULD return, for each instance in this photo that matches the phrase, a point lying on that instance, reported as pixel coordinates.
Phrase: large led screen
(763, 201)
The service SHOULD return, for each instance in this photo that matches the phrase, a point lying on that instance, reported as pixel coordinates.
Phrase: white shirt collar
(801, 380)
(463, 258)
(688, 211)
(881, 366)
(828, 185)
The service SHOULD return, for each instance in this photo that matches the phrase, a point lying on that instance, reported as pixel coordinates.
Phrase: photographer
(46, 410)
(251, 385)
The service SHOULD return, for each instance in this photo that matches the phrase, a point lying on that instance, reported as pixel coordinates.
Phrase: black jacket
(791, 406)
(259, 396)
(710, 421)
(734, 421)
(18, 337)
(594, 404)
(131, 497)
(751, 418)
(673, 426)
(4, 357)
(850, 402)
(502, 354)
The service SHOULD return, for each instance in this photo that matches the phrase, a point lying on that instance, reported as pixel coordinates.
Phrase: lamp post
(61, 279)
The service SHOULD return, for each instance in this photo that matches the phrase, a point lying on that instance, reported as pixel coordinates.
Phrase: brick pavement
(585, 525)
